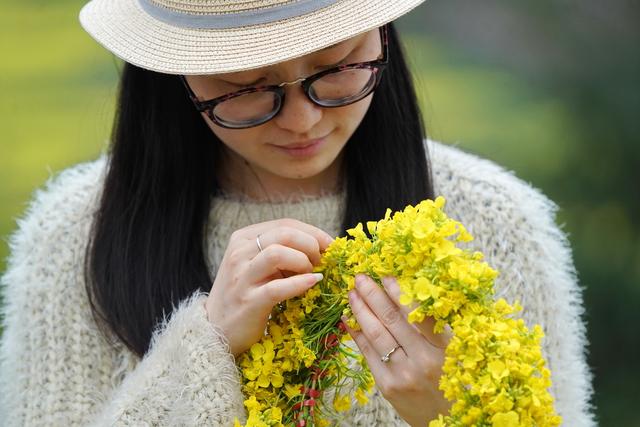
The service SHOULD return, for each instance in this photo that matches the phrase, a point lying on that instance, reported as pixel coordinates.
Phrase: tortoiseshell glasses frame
(376, 66)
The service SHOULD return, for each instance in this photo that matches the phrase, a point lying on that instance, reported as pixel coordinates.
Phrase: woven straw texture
(218, 7)
(126, 30)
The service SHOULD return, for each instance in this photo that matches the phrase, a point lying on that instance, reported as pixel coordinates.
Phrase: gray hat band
(233, 19)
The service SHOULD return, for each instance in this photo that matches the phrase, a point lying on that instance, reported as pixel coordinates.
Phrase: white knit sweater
(57, 370)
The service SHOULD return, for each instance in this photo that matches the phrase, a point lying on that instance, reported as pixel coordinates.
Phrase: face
(258, 153)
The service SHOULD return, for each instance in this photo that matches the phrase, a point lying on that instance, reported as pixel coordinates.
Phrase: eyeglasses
(335, 87)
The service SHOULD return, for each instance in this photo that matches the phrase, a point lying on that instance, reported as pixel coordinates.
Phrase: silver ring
(387, 357)
(258, 243)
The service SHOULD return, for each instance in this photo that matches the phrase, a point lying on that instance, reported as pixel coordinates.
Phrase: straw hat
(219, 36)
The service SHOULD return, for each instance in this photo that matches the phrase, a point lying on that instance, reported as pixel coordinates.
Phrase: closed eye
(341, 62)
(241, 86)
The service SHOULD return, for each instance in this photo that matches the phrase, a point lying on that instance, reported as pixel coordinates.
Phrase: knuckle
(243, 300)
(426, 363)
(367, 290)
(389, 389)
(316, 246)
(273, 255)
(390, 316)
(376, 333)
(400, 385)
(409, 383)
(236, 278)
(304, 261)
(286, 236)
(432, 371)
(365, 348)
(234, 260)
(423, 362)
(429, 368)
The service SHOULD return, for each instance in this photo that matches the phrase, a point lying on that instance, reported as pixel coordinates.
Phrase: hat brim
(126, 30)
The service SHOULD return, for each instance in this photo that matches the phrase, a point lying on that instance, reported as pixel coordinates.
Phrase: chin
(306, 173)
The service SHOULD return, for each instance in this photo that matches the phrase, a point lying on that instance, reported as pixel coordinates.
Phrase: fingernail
(359, 280)
(317, 277)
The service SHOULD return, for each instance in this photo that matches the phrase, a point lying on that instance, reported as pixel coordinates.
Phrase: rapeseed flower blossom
(493, 372)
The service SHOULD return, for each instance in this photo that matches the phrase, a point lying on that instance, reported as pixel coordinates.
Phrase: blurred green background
(549, 89)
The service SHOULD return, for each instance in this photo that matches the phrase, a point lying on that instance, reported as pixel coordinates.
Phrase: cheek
(235, 139)
(349, 118)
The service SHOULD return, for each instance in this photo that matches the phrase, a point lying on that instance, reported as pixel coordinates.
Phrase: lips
(302, 144)
(302, 149)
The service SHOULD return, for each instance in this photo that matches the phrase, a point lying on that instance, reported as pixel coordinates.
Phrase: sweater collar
(231, 212)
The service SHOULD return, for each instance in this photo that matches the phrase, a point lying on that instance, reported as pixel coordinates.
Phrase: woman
(247, 136)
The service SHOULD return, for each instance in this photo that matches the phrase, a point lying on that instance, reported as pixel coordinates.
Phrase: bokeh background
(549, 89)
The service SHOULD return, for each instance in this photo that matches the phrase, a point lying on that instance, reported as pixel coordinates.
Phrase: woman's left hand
(409, 379)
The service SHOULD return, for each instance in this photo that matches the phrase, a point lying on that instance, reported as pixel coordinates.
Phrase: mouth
(302, 149)
(302, 144)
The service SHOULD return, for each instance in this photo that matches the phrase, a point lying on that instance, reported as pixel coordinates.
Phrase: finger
(250, 232)
(377, 334)
(378, 369)
(425, 327)
(275, 258)
(279, 290)
(388, 313)
(293, 238)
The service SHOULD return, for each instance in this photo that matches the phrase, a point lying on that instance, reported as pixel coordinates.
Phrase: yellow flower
(508, 419)
(498, 369)
(361, 397)
(292, 390)
(424, 289)
(416, 316)
(341, 403)
(493, 371)
(439, 422)
(252, 404)
(275, 415)
(500, 403)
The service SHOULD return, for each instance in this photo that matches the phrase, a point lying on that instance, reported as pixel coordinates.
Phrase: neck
(240, 177)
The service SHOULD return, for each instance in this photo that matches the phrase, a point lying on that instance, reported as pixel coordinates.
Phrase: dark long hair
(147, 247)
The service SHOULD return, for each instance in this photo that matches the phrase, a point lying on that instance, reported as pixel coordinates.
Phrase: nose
(298, 114)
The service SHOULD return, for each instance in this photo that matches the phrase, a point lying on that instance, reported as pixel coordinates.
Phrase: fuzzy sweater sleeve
(56, 367)
(514, 225)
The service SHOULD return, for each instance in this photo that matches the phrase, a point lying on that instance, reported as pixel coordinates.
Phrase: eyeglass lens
(331, 90)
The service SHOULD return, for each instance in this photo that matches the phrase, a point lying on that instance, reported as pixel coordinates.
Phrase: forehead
(342, 47)
(352, 40)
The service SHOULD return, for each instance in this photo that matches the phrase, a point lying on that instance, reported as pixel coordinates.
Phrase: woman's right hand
(249, 283)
